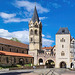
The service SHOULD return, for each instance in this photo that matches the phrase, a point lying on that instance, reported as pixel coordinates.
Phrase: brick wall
(12, 60)
(13, 49)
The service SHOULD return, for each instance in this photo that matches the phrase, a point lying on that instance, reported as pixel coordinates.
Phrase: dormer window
(63, 31)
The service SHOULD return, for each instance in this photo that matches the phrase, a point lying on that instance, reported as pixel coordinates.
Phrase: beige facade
(63, 50)
(35, 36)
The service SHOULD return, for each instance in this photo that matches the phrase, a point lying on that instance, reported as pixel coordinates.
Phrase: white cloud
(20, 19)
(48, 36)
(42, 18)
(16, 20)
(47, 42)
(29, 6)
(56, 5)
(7, 16)
(23, 36)
(43, 35)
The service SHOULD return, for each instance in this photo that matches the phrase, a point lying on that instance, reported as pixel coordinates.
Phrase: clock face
(31, 24)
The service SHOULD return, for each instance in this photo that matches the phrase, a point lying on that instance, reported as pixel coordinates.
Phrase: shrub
(27, 65)
(18, 65)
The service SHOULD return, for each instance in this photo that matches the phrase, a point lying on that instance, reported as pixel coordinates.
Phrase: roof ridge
(13, 43)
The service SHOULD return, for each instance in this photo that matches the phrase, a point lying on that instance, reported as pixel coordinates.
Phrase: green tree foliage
(15, 39)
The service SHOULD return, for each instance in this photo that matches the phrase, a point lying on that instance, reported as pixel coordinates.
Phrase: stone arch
(40, 61)
(50, 59)
(50, 63)
(63, 64)
(21, 61)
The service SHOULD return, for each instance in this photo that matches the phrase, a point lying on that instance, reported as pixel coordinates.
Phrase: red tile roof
(47, 47)
(14, 54)
(13, 43)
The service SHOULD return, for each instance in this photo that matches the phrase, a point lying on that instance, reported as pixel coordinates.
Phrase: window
(10, 49)
(63, 31)
(31, 39)
(22, 51)
(0, 59)
(31, 32)
(40, 39)
(36, 32)
(2, 48)
(36, 25)
(62, 53)
(62, 46)
(17, 51)
(14, 60)
(31, 60)
(62, 40)
(26, 60)
(7, 60)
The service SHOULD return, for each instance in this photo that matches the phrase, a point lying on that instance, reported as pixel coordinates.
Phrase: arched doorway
(21, 61)
(62, 65)
(50, 64)
(71, 65)
(40, 61)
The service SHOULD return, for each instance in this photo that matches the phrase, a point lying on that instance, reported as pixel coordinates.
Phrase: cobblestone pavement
(39, 72)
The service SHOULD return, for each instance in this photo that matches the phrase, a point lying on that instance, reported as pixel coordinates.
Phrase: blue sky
(15, 15)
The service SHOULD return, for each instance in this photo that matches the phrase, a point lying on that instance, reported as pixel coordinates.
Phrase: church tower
(35, 36)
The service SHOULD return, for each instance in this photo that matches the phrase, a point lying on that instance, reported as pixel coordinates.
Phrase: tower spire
(35, 15)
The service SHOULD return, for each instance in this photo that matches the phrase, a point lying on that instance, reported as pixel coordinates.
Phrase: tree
(15, 39)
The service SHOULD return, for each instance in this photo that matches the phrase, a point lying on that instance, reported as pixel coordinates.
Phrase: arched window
(31, 32)
(17, 51)
(14, 60)
(0, 59)
(62, 46)
(31, 60)
(62, 40)
(36, 32)
(2, 48)
(7, 60)
(10, 49)
(22, 51)
(62, 53)
(36, 25)
(26, 60)
(31, 39)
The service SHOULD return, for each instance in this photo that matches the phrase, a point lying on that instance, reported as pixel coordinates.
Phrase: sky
(16, 14)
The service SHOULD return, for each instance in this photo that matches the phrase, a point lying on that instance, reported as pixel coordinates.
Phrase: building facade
(63, 39)
(35, 36)
(13, 53)
(60, 56)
